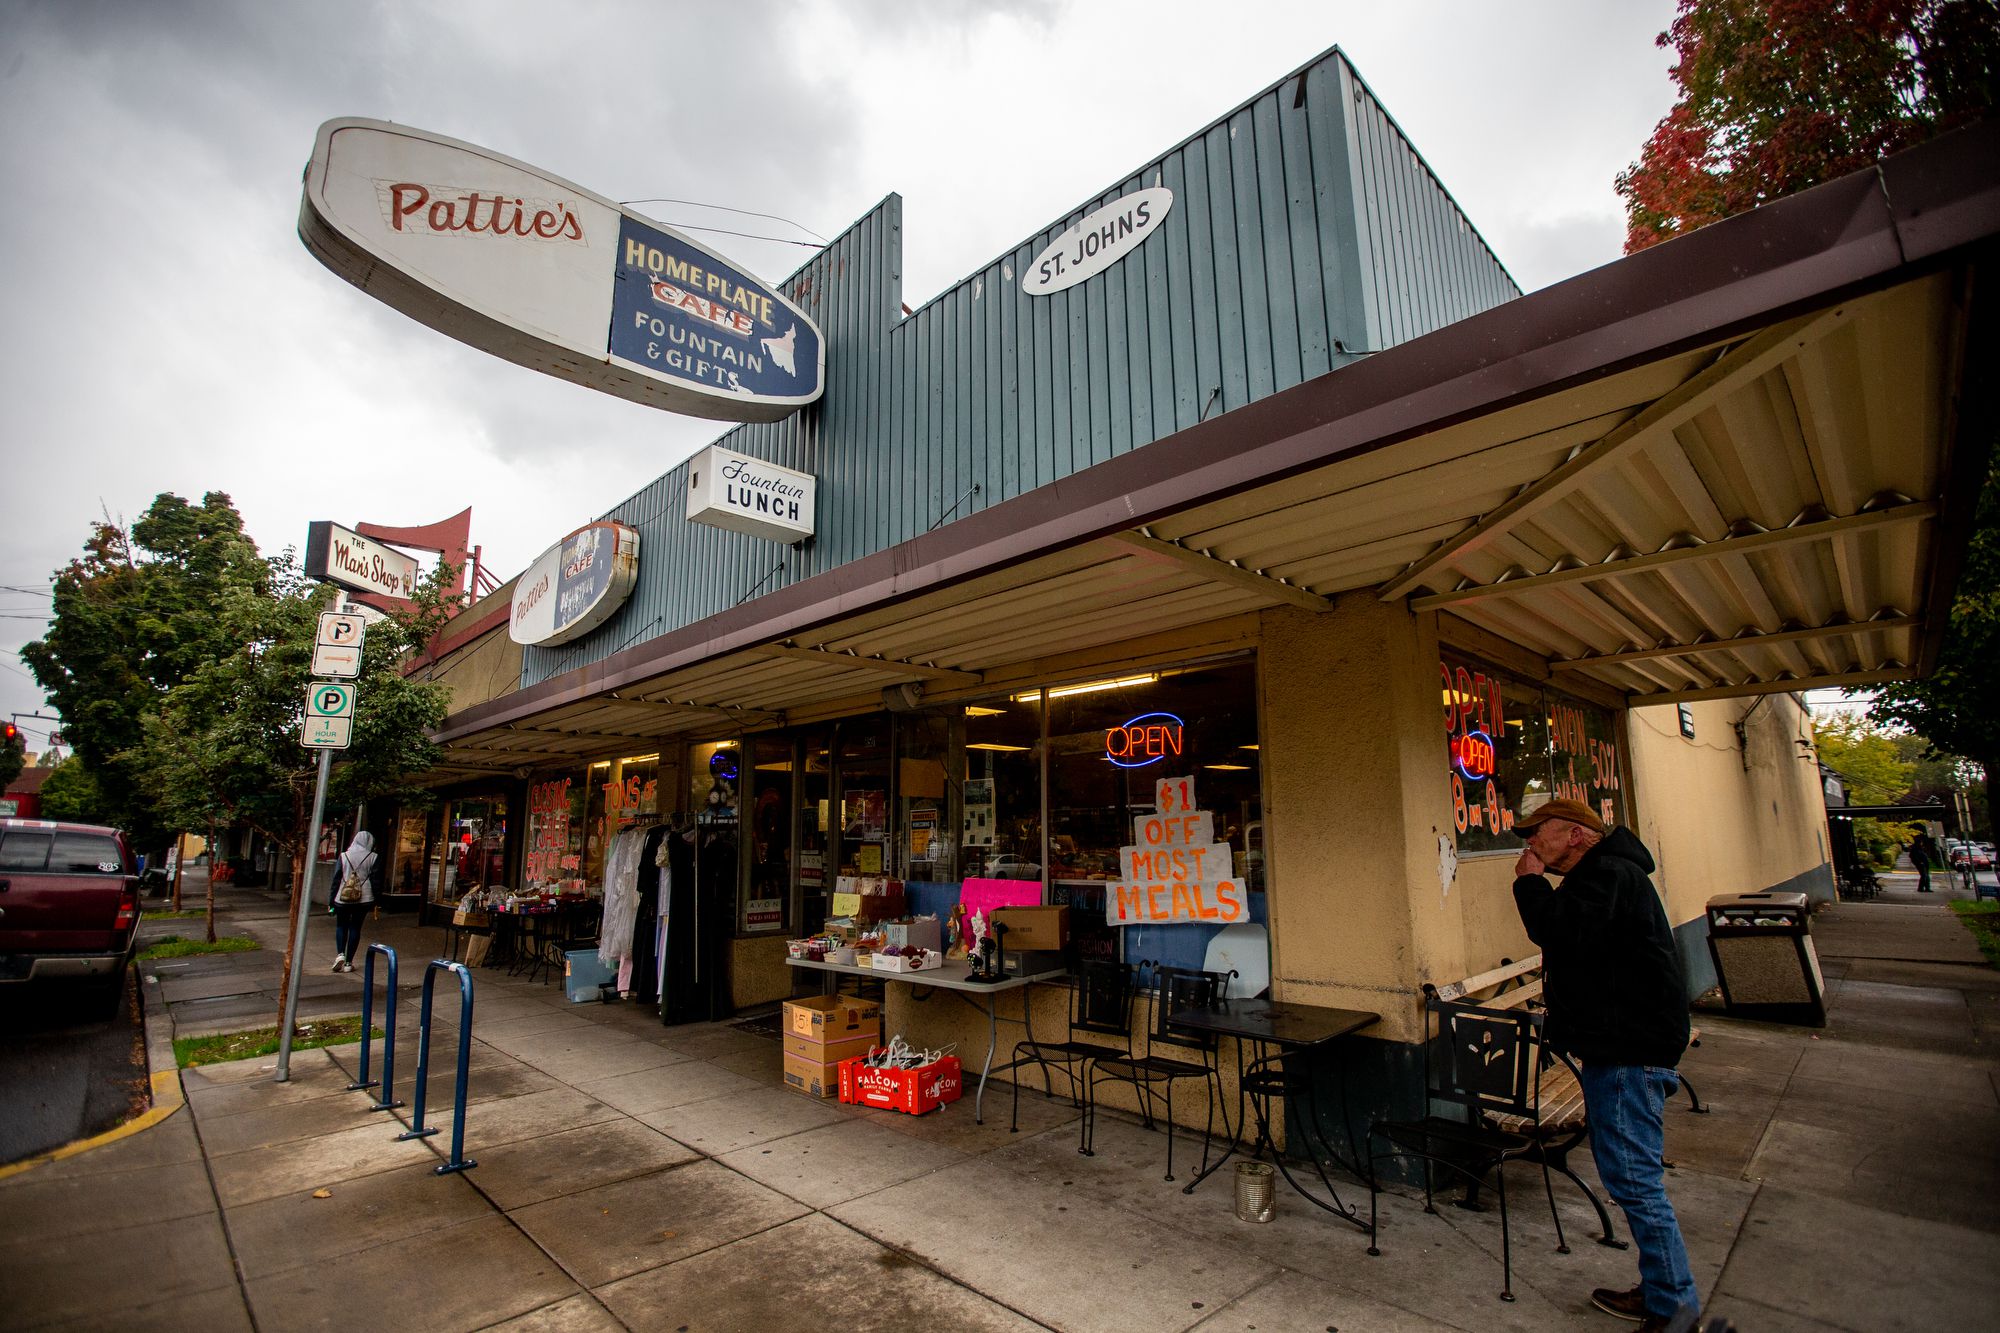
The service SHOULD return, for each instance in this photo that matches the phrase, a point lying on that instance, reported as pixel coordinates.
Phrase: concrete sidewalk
(635, 1176)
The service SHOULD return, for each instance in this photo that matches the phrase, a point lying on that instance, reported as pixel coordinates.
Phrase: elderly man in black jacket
(1617, 1003)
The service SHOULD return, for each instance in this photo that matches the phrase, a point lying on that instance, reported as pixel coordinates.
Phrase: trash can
(1763, 951)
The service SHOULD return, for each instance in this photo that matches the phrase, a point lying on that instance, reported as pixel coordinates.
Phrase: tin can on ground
(1256, 1197)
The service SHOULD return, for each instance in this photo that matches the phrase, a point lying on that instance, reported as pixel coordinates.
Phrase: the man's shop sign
(532, 268)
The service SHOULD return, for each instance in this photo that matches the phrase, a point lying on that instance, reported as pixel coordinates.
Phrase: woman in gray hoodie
(357, 862)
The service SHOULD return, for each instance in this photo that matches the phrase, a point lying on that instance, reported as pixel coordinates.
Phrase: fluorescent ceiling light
(1248, 747)
(641, 758)
(602, 763)
(1091, 687)
(990, 745)
(980, 710)
(782, 766)
(1228, 768)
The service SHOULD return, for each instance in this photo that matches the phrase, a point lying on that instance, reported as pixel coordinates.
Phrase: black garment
(1613, 980)
(644, 958)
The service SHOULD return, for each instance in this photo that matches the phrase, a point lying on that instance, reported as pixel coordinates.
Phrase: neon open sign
(1473, 753)
(1145, 739)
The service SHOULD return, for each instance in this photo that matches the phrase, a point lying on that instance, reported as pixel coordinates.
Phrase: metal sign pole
(305, 913)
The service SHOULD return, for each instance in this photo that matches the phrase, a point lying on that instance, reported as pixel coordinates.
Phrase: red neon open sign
(1145, 739)
(1473, 753)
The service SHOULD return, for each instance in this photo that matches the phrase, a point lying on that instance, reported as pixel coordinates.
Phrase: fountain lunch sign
(525, 265)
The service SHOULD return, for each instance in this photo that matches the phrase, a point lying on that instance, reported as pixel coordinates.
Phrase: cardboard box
(827, 1018)
(925, 932)
(893, 962)
(832, 1052)
(585, 975)
(811, 1077)
(912, 1091)
(1034, 927)
(471, 916)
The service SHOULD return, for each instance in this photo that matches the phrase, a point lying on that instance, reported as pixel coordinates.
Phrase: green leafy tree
(133, 618)
(70, 792)
(1780, 95)
(1954, 708)
(224, 747)
(1864, 754)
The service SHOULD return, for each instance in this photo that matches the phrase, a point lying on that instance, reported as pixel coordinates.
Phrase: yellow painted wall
(1356, 798)
(483, 670)
(1722, 818)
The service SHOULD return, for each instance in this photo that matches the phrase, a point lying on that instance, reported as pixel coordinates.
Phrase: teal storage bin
(585, 976)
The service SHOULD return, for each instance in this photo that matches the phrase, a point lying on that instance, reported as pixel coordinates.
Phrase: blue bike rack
(417, 1130)
(387, 1100)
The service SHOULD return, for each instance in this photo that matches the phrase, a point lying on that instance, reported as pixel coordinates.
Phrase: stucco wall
(483, 670)
(1356, 795)
(1723, 816)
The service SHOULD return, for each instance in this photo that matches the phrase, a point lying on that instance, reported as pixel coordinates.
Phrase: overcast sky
(164, 329)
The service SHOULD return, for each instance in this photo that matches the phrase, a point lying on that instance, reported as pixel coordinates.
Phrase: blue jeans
(1627, 1108)
(347, 921)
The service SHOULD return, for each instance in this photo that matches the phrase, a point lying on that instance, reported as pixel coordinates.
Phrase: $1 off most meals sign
(1176, 871)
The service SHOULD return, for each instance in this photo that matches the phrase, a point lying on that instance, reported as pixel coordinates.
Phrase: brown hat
(1576, 812)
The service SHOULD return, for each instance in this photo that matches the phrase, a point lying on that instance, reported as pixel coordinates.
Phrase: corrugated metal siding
(1302, 224)
(1423, 264)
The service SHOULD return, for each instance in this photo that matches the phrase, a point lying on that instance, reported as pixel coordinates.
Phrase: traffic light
(10, 734)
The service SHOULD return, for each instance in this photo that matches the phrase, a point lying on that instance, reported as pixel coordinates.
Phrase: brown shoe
(1625, 1304)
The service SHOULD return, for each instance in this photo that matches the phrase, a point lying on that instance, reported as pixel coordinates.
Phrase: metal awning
(1741, 462)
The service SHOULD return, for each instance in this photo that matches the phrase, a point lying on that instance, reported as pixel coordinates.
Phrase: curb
(164, 1079)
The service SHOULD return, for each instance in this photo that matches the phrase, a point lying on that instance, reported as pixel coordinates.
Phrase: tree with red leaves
(1779, 95)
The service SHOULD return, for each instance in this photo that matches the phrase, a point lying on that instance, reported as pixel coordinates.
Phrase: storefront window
(864, 795)
(928, 850)
(1511, 743)
(554, 854)
(406, 864)
(475, 847)
(1001, 809)
(771, 812)
(715, 775)
(1111, 744)
(815, 818)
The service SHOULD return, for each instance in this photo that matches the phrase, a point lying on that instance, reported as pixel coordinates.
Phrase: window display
(1111, 743)
(554, 854)
(771, 812)
(1511, 743)
(1001, 810)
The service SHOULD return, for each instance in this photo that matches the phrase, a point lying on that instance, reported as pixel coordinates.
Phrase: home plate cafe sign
(529, 267)
(576, 585)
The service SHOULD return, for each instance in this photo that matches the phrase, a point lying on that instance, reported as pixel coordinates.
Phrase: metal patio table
(949, 977)
(1280, 1030)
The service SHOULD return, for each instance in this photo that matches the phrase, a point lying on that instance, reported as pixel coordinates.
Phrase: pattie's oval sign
(521, 263)
(575, 585)
(1100, 240)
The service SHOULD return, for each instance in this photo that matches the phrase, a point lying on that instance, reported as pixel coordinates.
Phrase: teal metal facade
(1305, 233)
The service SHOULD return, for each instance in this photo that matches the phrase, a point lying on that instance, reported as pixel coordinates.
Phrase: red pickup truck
(69, 907)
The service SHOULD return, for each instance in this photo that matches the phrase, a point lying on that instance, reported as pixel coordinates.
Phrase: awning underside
(1758, 514)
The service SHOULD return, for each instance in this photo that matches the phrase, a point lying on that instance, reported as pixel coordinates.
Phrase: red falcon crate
(913, 1091)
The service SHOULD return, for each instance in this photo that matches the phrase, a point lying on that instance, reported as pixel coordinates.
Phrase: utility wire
(696, 203)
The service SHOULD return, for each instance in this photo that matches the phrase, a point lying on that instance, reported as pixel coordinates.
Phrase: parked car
(1009, 866)
(69, 909)
(1977, 855)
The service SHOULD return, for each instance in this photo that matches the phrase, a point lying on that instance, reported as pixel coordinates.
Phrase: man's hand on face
(1529, 864)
